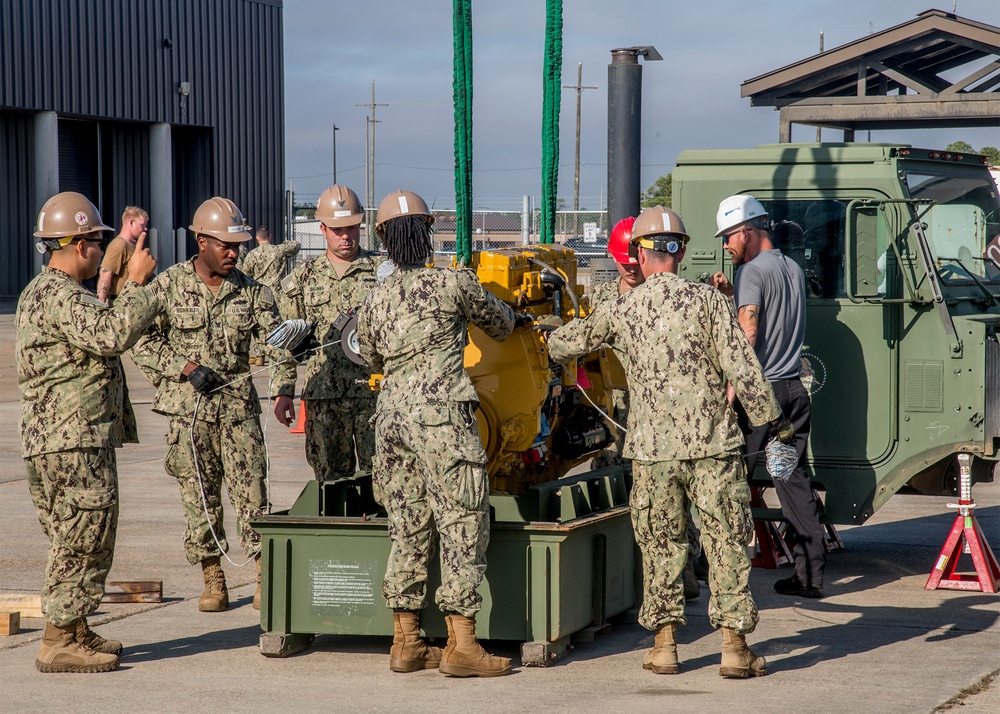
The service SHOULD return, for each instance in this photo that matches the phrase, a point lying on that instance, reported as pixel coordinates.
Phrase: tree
(992, 154)
(660, 193)
(961, 147)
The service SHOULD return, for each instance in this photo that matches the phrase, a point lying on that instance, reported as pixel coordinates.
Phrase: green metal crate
(546, 580)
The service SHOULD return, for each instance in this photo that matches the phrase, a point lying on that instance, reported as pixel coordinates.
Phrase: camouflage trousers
(76, 494)
(230, 453)
(717, 488)
(429, 474)
(612, 456)
(336, 429)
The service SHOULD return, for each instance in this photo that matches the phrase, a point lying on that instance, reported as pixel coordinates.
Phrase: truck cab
(900, 251)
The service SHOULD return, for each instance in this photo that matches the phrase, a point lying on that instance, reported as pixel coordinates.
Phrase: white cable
(267, 457)
(587, 397)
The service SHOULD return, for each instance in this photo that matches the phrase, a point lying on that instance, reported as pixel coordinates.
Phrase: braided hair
(407, 239)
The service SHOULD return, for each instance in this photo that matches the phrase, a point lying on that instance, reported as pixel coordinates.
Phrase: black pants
(798, 502)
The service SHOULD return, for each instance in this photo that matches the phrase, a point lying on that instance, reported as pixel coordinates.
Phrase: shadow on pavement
(220, 640)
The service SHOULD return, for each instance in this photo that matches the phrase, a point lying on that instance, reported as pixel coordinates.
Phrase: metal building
(155, 103)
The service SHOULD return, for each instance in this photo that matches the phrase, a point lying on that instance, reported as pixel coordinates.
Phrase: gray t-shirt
(776, 284)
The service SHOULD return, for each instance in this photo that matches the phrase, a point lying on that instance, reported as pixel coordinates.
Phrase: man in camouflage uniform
(429, 468)
(630, 276)
(266, 265)
(339, 402)
(682, 343)
(197, 354)
(74, 415)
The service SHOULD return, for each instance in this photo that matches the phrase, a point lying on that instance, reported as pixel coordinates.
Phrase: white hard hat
(737, 210)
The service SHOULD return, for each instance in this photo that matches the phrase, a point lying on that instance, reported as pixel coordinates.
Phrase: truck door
(851, 345)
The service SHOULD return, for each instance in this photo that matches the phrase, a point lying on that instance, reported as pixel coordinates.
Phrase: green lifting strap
(552, 80)
(462, 91)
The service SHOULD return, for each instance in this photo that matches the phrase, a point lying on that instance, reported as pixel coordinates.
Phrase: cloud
(690, 100)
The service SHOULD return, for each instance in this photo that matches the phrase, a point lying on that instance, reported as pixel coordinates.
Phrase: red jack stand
(966, 528)
(771, 550)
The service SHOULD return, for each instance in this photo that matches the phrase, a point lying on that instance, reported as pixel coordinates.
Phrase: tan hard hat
(401, 203)
(339, 207)
(66, 216)
(662, 223)
(220, 218)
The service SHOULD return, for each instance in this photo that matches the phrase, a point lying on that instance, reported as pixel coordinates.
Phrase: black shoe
(792, 586)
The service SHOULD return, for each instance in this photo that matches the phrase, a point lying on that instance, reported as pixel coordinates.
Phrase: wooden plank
(133, 591)
(10, 623)
(27, 604)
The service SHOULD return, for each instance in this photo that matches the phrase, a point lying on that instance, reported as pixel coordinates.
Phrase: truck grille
(991, 397)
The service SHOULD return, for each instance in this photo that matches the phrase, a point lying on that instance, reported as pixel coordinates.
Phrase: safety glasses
(726, 237)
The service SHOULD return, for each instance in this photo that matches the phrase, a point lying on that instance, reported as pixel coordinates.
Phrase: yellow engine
(537, 421)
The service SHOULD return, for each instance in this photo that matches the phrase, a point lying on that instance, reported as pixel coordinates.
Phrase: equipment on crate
(965, 531)
(538, 431)
(555, 538)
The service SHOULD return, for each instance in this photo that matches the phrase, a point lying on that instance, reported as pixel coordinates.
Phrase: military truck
(900, 250)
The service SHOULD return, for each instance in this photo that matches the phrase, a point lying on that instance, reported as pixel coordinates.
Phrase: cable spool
(781, 460)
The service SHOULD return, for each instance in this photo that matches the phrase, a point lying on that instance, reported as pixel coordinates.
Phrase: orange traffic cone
(300, 424)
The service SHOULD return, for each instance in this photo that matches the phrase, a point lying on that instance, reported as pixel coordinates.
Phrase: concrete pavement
(877, 643)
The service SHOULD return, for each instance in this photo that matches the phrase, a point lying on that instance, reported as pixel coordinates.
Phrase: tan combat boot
(662, 659)
(464, 657)
(409, 653)
(60, 652)
(738, 660)
(216, 595)
(88, 638)
(256, 595)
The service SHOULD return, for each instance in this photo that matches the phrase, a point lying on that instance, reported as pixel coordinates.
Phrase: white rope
(267, 456)
(591, 401)
(623, 430)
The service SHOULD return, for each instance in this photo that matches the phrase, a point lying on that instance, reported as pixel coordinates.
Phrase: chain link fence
(586, 232)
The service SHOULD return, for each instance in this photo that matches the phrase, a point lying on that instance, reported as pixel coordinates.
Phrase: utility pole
(335, 130)
(819, 129)
(370, 123)
(579, 87)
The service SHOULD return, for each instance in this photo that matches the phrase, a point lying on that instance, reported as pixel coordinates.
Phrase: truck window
(963, 220)
(811, 232)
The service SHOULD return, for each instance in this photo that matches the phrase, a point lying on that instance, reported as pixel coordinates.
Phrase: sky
(691, 99)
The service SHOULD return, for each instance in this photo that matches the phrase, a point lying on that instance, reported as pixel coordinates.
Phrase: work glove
(523, 318)
(307, 347)
(204, 379)
(782, 429)
(547, 323)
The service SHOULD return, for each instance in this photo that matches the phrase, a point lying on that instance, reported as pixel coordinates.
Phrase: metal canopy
(892, 80)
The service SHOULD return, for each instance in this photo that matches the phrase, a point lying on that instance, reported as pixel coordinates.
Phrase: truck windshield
(964, 219)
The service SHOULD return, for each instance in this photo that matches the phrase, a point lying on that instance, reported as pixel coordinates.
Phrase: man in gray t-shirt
(770, 293)
(776, 281)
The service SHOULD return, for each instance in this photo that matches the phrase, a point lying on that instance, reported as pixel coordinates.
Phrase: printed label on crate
(345, 587)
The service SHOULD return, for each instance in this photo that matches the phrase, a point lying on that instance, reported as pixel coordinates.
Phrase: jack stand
(966, 528)
(771, 550)
(832, 541)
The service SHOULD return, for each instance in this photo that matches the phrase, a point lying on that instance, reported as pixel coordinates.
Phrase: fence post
(525, 220)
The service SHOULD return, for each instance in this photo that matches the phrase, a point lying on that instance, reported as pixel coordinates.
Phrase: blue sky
(690, 100)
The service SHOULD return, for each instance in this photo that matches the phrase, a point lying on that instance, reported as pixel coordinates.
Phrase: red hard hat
(621, 234)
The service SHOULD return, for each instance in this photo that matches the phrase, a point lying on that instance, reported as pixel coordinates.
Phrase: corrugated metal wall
(17, 248)
(123, 61)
